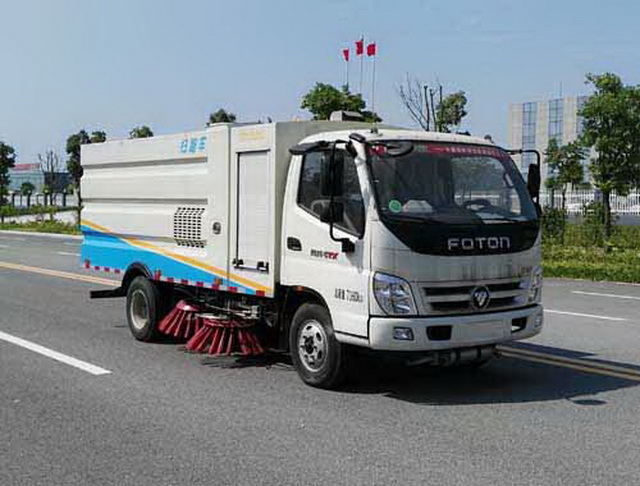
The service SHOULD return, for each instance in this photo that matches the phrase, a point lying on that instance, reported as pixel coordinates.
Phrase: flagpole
(373, 85)
(361, 62)
(347, 69)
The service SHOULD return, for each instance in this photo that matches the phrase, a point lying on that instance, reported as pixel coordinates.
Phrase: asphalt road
(559, 409)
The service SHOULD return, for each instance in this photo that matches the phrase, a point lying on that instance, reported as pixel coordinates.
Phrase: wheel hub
(312, 346)
(139, 309)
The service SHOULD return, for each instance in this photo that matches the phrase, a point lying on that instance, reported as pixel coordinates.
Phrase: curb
(46, 235)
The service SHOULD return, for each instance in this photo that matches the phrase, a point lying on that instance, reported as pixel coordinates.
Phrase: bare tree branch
(51, 167)
(410, 94)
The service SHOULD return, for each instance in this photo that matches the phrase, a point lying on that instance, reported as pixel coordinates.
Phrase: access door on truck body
(251, 248)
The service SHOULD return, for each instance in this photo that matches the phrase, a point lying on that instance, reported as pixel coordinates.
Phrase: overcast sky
(110, 65)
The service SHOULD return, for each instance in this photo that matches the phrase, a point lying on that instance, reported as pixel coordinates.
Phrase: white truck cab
(329, 234)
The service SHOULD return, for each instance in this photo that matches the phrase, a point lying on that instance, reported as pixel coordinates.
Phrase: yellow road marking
(575, 364)
(59, 273)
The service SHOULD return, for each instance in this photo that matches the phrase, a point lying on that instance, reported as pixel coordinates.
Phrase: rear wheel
(143, 309)
(316, 353)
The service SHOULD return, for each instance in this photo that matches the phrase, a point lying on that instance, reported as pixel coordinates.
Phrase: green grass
(591, 263)
(625, 237)
(10, 211)
(43, 227)
(583, 254)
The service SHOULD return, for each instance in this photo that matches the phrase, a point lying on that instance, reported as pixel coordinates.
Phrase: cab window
(315, 201)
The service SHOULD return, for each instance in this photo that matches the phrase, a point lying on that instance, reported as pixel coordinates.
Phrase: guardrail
(575, 200)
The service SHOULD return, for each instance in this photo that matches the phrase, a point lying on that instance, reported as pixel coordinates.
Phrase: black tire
(322, 363)
(144, 309)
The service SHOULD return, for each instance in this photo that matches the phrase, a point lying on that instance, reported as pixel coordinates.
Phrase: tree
(74, 142)
(141, 132)
(565, 163)
(323, 99)
(98, 136)
(611, 125)
(450, 111)
(552, 154)
(430, 109)
(7, 161)
(222, 116)
(51, 167)
(26, 189)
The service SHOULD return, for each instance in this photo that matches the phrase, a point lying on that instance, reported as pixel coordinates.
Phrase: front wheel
(316, 353)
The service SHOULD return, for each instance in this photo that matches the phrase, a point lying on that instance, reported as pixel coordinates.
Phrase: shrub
(593, 223)
(554, 223)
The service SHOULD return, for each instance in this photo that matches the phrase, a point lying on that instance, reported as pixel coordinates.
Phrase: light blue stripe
(107, 250)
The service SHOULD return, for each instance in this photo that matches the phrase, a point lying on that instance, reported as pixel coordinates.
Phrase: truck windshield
(450, 184)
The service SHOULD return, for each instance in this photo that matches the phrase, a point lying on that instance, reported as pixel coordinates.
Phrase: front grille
(450, 298)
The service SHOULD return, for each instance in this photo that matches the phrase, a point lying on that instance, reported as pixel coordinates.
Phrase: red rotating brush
(182, 322)
(225, 336)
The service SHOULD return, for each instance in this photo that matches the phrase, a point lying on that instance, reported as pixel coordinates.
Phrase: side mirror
(351, 150)
(533, 181)
(331, 176)
(538, 209)
(334, 213)
(399, 148)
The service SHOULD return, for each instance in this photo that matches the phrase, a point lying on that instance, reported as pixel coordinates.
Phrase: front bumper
(465, 331)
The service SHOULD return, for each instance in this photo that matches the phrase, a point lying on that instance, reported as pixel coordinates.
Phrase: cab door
(311, 258)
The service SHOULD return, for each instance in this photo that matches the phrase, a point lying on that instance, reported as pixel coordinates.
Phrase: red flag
(345, 54)
(359, 47)
(371, 49)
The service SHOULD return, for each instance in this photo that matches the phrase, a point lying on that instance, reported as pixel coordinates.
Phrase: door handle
(293, 244)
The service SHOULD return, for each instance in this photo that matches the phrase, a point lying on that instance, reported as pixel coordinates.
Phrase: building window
(529, 116)
(556, 120)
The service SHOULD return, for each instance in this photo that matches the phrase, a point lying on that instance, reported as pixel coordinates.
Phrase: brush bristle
(182, 322)
(217, 337)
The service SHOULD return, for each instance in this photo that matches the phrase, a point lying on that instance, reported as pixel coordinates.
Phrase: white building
(533, 124)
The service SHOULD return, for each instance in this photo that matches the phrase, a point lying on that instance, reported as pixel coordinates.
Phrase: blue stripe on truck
(107, 250)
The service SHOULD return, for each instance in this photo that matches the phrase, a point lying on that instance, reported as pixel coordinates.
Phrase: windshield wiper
(501, 220)
(409, 217)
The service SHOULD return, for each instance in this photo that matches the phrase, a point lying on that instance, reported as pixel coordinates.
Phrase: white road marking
(4, 246)
(579, 314)
(66, 253)
(50, 353)
(630, 297)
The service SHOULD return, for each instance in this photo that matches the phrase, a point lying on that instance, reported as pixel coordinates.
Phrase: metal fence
(575, 200)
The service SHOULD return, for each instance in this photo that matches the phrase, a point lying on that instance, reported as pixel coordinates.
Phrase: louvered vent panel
(187, 227)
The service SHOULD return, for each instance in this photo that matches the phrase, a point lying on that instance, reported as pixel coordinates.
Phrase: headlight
(535, 287)
(393, 294)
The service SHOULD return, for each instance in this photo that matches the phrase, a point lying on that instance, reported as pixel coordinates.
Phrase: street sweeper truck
(317, 237)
